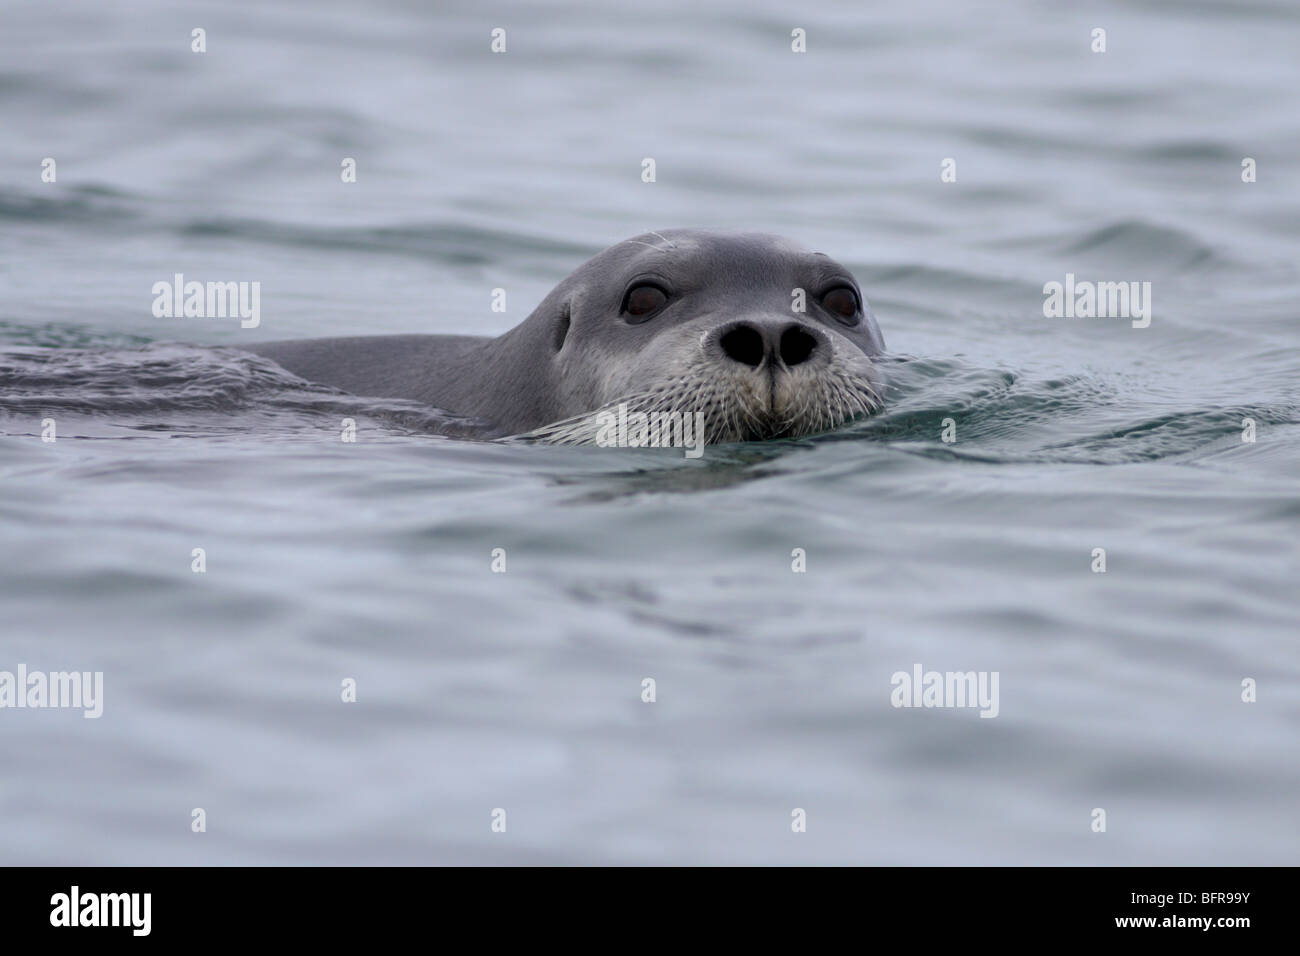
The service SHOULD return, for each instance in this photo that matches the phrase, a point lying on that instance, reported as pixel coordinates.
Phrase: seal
(752, 333)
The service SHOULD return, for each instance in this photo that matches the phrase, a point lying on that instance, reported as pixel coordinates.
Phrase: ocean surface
(372, 561)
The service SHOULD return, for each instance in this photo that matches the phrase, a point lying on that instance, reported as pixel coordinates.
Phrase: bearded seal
(759, 335)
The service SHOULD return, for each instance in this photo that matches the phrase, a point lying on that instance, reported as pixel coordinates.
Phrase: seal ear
(561, 331)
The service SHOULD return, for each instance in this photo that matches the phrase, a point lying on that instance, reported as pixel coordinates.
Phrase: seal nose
(752, 344)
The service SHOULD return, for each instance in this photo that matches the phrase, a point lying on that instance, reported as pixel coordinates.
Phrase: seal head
(763, 337)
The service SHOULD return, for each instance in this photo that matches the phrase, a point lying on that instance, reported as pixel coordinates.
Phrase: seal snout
(759, 344)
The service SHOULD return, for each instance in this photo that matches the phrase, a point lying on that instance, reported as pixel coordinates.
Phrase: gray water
(371, 561)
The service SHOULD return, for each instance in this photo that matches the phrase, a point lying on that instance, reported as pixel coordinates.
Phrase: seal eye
(843, 304)
(643, 301)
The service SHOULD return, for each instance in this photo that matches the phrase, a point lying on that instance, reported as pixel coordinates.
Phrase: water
(522, 691)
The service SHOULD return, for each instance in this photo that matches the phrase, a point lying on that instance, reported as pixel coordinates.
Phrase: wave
(1006, 416)
(459, 243)
(998, 415)
(208, 387)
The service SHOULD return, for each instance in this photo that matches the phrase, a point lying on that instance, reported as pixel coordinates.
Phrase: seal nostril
(797, 345)
(744, 343)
